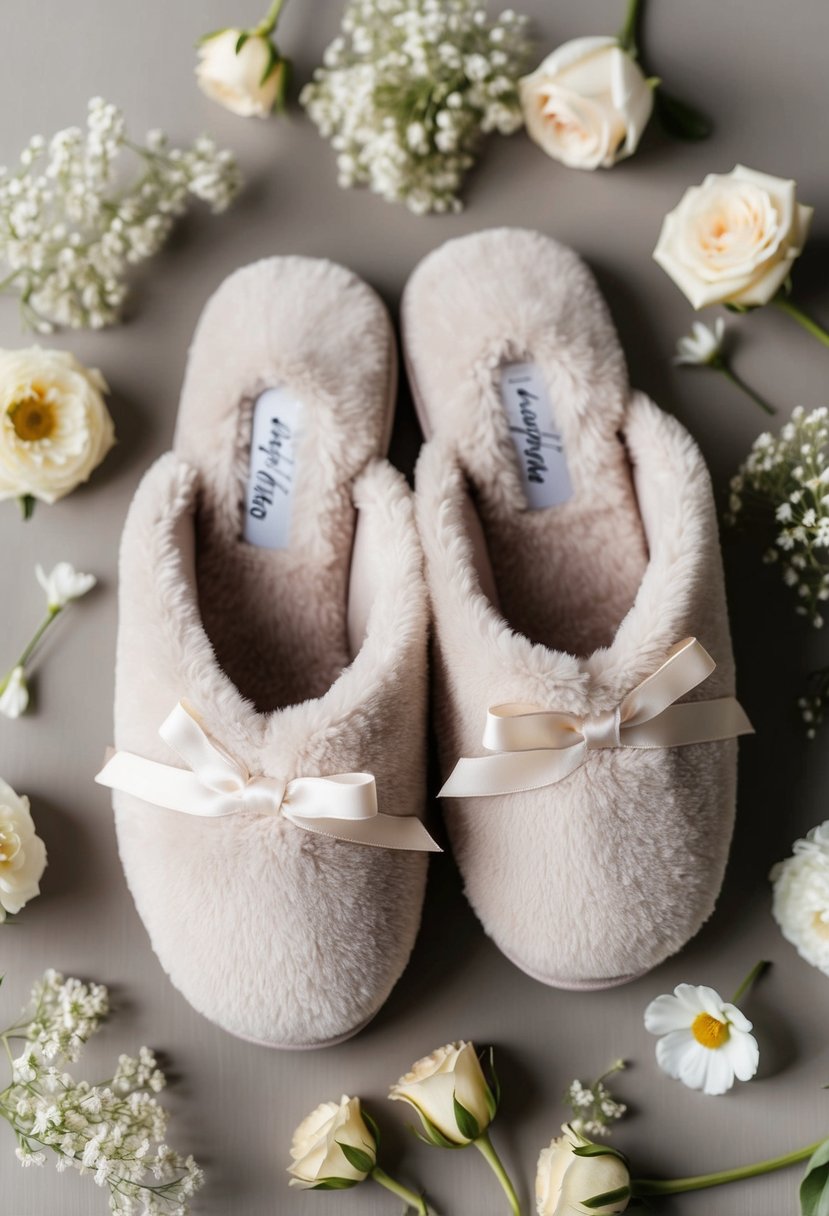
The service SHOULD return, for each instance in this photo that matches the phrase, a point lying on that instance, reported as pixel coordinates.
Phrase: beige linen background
(760, 69)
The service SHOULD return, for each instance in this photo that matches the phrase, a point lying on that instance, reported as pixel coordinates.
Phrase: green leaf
(371, 1124)
(334, 1184)
(285, 79)
(606, 1198)
(27, 505)
(241, 40)
(466, 1121)
(814, 1189)
(493, 1096)
(433, 1136)
(271, 63)
(213, 34)
(599, 1150)
(678, 119)
(357, 1158)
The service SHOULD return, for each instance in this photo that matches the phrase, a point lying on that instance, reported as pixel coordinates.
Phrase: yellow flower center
(820, 926)
(33, 417)
(708, 1031)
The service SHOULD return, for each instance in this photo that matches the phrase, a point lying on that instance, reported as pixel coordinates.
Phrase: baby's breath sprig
(594, 1108)
(784, 483)
(408, 89)
(70, 227)
(116, 1130)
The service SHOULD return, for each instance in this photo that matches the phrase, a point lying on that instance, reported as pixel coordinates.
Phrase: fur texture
(278, 935)
(598, 878)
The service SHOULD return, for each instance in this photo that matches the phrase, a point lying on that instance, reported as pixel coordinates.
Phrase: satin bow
(215, 784)
(536, 747)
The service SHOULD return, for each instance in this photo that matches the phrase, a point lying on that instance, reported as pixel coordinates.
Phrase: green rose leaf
(607, 1197)
(357, 1158)
(493, 1092)
(241, 40)
(466, 1121)
(814, 1189)
(371, 1124)
(434, 1135)
(599, 1150)
(334, 1184)
(213, 34)
(678, 119)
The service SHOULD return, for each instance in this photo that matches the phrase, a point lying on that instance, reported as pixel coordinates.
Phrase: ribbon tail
(404, 832)
(691, 722)
(174, 789)
(512, 772)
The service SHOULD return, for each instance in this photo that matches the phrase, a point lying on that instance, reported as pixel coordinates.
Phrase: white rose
(14, 693)
(22, 853)
(587, 104)
(247, 83)
(316, 1149)
(801, 897)
(733, 239)
(54, 426)
(564, 1181)
(452, 1073)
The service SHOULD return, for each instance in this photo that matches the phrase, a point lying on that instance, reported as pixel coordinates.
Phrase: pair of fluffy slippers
(278, 580)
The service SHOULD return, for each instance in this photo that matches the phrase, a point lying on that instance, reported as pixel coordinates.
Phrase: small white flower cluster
(409, 88)
(69, 229)
(594, 1108)
(787, 476)
(115, 1131)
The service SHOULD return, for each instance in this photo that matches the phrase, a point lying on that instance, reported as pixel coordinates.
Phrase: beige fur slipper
(271, 675)
(571, 544)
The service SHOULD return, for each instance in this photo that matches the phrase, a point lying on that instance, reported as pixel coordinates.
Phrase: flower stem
(39, 632)
(27, 505)
(414, 1201)
(484, 1146)
(811, 326)
(698, 1182)
(750, 980)
(268, 23)
(738, 382)
(627, 34)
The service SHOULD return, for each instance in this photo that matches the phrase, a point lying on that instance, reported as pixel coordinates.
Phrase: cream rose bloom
(54, 427)
(435, 1082)
(734, 239)
(241, 83)
(22, 852)
(564, 1181)
(587, 104)
(801, 897)
(316, 1152)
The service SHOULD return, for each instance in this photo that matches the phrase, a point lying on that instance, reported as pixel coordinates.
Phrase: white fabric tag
(538, 442)
(269, 494)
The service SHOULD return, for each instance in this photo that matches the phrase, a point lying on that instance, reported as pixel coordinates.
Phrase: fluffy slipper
(273, 628)
(571, 543)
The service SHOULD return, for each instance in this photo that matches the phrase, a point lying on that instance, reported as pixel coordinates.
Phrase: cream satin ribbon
(536, 747)
(215, 784)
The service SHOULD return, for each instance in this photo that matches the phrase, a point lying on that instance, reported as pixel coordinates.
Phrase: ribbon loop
(215, 784)
(535, 747)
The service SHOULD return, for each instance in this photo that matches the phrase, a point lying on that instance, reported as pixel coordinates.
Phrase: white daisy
(702, 346)
(705, 1041)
